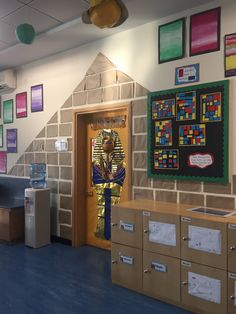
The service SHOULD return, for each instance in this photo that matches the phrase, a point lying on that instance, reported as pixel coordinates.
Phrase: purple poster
(12, 140)
(37, 98)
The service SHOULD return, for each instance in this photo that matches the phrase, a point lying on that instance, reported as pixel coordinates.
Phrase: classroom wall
(131, 58)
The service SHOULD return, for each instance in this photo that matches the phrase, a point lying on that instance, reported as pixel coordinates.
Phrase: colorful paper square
(166, 159)
(211, 107)
(186, 106)
(192, 135)
(163, 109)
(163, 133)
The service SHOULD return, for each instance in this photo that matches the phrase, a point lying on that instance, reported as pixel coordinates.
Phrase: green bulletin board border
(224, 179)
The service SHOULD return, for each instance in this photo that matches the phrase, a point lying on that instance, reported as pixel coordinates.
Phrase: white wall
(136, 53)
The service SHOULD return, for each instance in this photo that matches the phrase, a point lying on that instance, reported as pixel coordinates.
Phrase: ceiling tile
(26, 14)
(62, 10)
(3, 45)
(7, 6)
(7, 33)
(25, 1)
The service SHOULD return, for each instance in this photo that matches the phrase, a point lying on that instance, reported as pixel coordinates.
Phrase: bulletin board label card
(188, 133)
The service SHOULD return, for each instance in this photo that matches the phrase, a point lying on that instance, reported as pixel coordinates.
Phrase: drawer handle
(184, 283)
(113, 224)
(145, 231)
(114, 262)
(232, 248)
(185, 238)
(147, 271)
(232, 297)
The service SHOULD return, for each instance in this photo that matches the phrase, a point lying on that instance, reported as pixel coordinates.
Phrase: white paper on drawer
(204, 239)
(204, 287)
(162, 233)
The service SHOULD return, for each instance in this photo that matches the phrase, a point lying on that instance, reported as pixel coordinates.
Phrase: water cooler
(37, 217)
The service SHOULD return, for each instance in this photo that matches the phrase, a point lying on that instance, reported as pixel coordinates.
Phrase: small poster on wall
(230, 55)
(21, 105)
(12, 140)
(8, 111)
(3, 162)
(37, 98)
(1, 135)
(171, 41)
(187, 74)
(205, 32)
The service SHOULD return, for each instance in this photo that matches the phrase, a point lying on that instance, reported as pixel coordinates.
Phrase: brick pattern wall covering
(104, 83)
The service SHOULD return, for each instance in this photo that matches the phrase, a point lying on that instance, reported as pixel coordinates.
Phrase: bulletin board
(188, 133)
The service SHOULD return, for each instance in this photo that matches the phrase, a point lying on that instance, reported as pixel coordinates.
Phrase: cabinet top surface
(174, 209)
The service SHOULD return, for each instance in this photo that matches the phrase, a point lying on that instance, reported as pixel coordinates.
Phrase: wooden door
(126, 266)
(161, 276)
(90, 201)
(203, 288)
(158, 241)
(231, 293)
(126, 226)
(232, 247)
(204, 256)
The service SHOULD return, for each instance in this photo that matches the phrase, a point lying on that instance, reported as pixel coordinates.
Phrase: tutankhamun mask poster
(108, 177)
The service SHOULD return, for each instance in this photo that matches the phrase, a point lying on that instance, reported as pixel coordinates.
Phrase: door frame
(79, 165)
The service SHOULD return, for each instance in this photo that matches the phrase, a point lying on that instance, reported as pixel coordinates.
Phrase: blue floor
(59, 279)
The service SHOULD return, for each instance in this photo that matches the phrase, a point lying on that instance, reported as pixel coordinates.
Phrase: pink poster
(205, 32)
(21, 105)
(3, 162)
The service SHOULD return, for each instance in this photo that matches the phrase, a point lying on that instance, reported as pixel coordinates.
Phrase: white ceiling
(59, 27)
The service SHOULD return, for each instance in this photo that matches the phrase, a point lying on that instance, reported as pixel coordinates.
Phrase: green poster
(171, 41)
(8, 111)
(1, 135)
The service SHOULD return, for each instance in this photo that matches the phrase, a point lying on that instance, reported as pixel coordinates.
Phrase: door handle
(147, 271)
(184, 283)
(89, 193)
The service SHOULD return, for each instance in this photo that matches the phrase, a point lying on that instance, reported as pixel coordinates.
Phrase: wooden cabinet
(126, 266)
(231, 293)
(126, 226)
(161, 233)
(204, 241)
(161, 276)
(203, 288)
(12, 224)
(170, 253)
(232, 247)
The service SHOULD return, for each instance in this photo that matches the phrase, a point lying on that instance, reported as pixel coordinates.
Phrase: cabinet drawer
(126, 226)
(161, 276)
(161, 233)
(232, 247)
(204, 288)
(231, 293)
(204, 241)
(126, 266)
